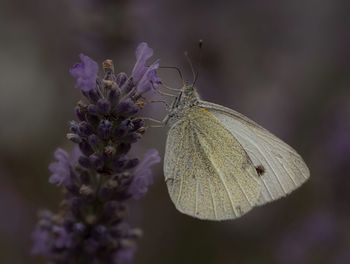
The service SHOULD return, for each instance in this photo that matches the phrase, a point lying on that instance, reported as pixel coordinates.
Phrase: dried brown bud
(108, 65)
(140, 103)
(110, 151)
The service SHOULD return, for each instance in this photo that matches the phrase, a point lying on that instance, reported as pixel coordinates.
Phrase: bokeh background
(285, 64)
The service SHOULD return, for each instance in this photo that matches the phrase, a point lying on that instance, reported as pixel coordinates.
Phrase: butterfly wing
(208, 173)
(284, 168)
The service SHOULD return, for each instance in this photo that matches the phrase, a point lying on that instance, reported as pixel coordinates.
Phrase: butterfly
(219, 164)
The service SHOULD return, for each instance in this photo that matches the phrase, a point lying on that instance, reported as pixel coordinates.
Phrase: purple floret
(145, 77)
(143, 177)
(143, 53)
(85, 73)
(61, 168)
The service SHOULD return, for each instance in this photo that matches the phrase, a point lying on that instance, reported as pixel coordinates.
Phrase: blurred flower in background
(310, 241)
(284, 64)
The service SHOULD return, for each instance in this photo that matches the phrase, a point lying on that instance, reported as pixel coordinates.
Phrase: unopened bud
(108, 66)
(74, 138)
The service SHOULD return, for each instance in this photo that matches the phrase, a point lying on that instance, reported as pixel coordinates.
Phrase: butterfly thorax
(187, 98)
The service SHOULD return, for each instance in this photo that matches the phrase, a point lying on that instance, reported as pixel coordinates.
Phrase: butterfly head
(189, 92)
(187, 98)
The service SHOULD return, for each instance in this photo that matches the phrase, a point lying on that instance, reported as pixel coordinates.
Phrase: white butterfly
(219, 164)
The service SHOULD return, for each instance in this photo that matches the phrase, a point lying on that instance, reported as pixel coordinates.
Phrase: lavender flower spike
(98, 177)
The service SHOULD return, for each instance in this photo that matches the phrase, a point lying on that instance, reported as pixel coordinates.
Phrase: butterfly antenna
(191, 65)
(174, 68)
(170, 88)
(200, 45)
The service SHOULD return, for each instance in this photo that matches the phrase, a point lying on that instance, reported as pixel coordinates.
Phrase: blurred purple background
(285, 64)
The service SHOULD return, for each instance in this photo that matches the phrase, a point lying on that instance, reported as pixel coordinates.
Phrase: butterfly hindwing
(282, 168)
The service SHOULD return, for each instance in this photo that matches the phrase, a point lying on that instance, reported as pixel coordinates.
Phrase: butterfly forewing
(283, 168)
(208, 173)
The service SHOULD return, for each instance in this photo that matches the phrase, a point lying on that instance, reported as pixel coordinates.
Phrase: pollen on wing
(260, 169)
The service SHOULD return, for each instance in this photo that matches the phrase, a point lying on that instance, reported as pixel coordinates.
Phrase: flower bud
(95, 142)
(96, 161)
(74, 138)
(108, 66)
(126, 107)
(92, 109)
(128, 86)
(123, 128)
(103, 106)
(119, 163)
(104, 129)
(84, 161)
(80, 113)
(93, 95)
(85, 129)
(85, 148)
(74, 127)
(113, 95)
(138, 123)
(121, 78)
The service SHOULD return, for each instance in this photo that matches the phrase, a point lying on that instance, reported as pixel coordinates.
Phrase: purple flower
(41, 235)
(143, 177)
(143, 53)
(62, 237)
(98, 177)
(41, 238)
(145, 77)
(85, 73)
(149, 80)
(61, 168)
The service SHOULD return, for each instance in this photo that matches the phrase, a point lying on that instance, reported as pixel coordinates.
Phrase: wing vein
(212, 199)
(201, 144)
(182, 176)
